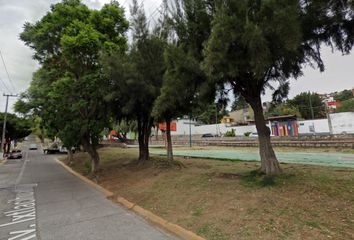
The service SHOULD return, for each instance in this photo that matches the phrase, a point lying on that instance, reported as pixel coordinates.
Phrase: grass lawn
(227, 200)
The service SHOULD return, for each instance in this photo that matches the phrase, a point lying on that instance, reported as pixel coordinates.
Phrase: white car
(255, 135)
(33, 146)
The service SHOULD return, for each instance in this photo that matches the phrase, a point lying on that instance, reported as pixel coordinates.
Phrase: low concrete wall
(306, 142)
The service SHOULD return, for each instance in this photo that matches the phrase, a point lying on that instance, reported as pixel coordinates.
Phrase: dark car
(207, 135)
(15, 154)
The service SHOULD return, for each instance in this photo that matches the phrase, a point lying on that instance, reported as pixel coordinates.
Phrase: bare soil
(222, 200)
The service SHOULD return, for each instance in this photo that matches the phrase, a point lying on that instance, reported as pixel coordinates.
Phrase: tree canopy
(199, 51)
(255, 43)
(137, 77)
(309, 105)
(69, 91)
(346, 106)
(16, 127)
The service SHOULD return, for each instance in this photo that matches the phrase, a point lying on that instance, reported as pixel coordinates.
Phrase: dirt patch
(229, 200)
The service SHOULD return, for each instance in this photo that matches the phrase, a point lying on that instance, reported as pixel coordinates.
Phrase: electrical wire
(3, 83)
(7, 73)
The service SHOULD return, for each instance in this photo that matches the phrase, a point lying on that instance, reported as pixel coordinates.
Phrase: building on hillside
(239, 117)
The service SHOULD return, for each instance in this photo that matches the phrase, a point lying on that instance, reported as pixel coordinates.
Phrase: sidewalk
(67, 208)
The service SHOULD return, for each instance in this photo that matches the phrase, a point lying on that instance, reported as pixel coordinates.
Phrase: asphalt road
(41, 200)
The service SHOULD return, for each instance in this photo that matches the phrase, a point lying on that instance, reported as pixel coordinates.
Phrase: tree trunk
(169, 140)
(269, 162)
(8, 146)
(70, 155)
(140, 139)
(95, 159)
(144, 130)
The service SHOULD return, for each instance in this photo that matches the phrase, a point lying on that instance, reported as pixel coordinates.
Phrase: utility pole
(5, 116)
(311, 109)
(216, 119)
(190, 131)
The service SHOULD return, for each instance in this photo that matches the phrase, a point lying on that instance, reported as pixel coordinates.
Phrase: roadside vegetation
(91, 77)
(222, 200)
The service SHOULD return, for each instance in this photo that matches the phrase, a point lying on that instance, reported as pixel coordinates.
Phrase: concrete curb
(162, 223)
(107, 193)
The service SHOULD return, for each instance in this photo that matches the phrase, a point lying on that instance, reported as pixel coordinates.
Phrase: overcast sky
(339, 73)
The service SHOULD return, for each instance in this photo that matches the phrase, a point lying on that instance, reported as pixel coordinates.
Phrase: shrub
(230, 133)
(247, 134)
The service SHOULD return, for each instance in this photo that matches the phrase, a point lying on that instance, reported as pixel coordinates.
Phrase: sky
(339, 73)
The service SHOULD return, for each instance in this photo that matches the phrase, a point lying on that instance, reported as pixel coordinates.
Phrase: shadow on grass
(257, 178)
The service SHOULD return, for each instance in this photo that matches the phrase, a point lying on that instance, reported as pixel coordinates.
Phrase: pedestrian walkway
(313, 158)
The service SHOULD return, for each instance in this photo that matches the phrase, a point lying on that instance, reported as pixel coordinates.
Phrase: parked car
(207, 135)
(254, 134)
(53, 149)
(33, 146)
(15, 154)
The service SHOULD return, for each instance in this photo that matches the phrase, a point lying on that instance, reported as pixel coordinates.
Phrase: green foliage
(124, 127)
(69, 91)
(16, 127)
(239, 103)
(306, 102)
(178, 90)
(137, 77)
(210, 113)
(231, 133)
(346, 106)
(343, 95)
(253, 43)
(247, 134)
(185, 87)
(283, 109)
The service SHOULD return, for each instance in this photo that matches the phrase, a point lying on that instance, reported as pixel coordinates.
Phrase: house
(239, 117)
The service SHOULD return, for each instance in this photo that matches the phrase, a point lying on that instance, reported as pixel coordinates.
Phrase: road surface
(41, 200)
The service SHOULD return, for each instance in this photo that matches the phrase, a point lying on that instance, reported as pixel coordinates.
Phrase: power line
(8, 75)
(3, 83)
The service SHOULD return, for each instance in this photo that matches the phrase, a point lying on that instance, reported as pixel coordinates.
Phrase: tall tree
(256, 42)
(68, 41)
(346, 106)
(185, 26)
(137, 77)
(16, 128)
(309, 105)
(176, 93)
(283, 109)
(239, 103)
(343, 95)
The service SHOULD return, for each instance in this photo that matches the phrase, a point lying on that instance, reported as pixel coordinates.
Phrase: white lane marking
(24, 208)
(23, 233)
(22, 171)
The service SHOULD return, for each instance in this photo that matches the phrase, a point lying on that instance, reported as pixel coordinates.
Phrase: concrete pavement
(41, 200)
